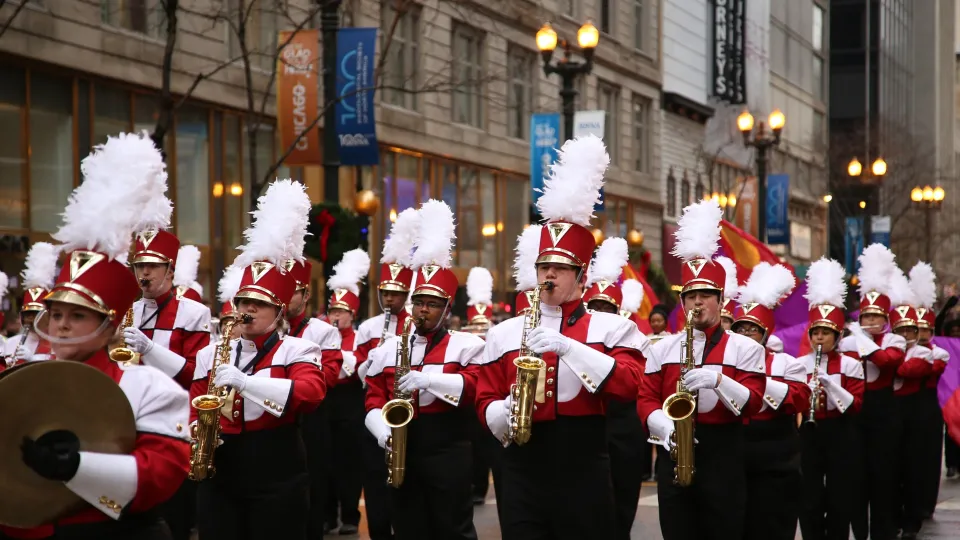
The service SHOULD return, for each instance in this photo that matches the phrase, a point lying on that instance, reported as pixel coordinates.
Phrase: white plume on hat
(731, 285)
(698, 232)
(40, 268)
(279, 225)
(230, 283)
(398, 247)
(188, 262)
(479, 286)
(4, 287)
(899, 291)
(825, 283)
(159, 209)
(877, 266)
(923, 281)
(435, 236)
(525, 262)
(121, 177)
(572, 187)
(608, 263)
(632, 295)
(350, 271)
(767, 284)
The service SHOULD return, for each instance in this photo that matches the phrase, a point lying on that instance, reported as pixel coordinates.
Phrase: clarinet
(815, 395)
(386, 326)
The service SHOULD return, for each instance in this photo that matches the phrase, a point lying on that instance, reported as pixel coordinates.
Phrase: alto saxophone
(529, 364)
(681, 407)
(124, 354)
(206, 432)
(815, 395)
(398, 412)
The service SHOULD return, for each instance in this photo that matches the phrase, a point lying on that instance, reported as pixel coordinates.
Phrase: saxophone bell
(398, 412)
(529, 365)
(681, 407)
(124, 354)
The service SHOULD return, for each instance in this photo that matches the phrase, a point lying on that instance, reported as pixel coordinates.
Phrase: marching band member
(185, 274)
(479, 301)
(923, 282)
(830, 472)
(92, 294)
(882, 353)
(730, 287)
(433, 497)
(728, 375)
(770, 436)
(227, 289)
(39, 272)
(392, 291)
(658, 317)
(910, 379)
(625, 435)
(345, 400)
(557, 481)
(261, 489)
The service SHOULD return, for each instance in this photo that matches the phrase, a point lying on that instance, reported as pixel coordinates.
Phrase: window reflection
(406, 182)
(449, 194)
(468, 234)
(111, 113)
(51, 149)
(490, 228)
(230, 185)
(193, 170)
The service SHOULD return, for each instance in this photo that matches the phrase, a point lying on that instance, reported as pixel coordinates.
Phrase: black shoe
(327, 527)
(951, 472)
(347, 529)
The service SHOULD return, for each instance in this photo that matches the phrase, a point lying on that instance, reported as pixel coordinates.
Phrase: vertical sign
(852, 243)
(297, 89)
(778, 203)
(354, 110)
(880, 230)
(587, 123)
(747, 212)
(545, 132)
(729, 51)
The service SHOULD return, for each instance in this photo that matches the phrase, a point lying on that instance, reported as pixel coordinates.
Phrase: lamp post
(762, 140)
(725, 200)
(930, 200)
(587, 38)
(329, 27)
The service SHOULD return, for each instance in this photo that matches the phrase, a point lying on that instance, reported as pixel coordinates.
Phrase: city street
(945, 523)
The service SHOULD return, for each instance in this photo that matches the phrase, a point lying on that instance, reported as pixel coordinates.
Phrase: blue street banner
(853, 243)
(545, 141)
(354, 110)
(880, 230)
(778, 203)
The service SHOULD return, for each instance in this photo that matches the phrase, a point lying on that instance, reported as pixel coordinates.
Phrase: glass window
(449, 193)
(390, 210)
(193, 176)
(817, 39)
(111, 112)
(517, 196)
(641, 133)
(606, 15)
(609, 101)
(817, 77)
(51, 149)
(685, 191)
(403, 52)
(142, 16)
(698, 190)
(468, 234)
(490, 227)
(639, 25)
(232, 186)
(266, 35)
(407, 175)
(12, 148)
(671, 194)
(520, 69)
(467, 76)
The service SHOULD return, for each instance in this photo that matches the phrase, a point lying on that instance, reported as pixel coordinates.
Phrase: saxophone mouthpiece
(547, 285)
(244, 318)
(144, 282)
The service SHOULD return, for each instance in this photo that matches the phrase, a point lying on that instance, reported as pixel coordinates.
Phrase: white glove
(826, 381)
(498, 419)
(856, 329)
(21, 354)
(137, 340)
(701, 378)
(377, 427)
(544, 340)
(227, 375)
(415, 380)
(660, 427)
(10, 361)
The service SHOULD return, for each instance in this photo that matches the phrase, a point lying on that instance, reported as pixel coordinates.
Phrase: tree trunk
(165, 114)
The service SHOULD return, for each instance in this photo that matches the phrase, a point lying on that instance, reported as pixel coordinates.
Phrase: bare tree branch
(165, 117)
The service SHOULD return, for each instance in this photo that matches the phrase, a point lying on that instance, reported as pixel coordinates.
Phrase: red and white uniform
(292, 366)
(370, 331)
(348, 371)
(325, 336)
(37, 348)
(940, 359)
(912, 373)
(881, 366)
(786, 392)
(182, 327)
(847, 373)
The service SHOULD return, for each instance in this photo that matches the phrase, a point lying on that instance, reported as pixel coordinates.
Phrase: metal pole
(929, 234)
(762, 191)
(568, 96)
(329, 26)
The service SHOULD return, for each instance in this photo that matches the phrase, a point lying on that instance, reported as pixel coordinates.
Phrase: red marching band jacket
(440, 351)
(370, 331)
(786, 391)
(325, 336)
(292, 364)
(605, 362)
(847, 373)
(880, 366)
(940, 359)
(912, 373)
(737, 357)
(182, 327)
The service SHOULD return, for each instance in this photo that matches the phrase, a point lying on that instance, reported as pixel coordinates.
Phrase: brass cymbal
(38, 397)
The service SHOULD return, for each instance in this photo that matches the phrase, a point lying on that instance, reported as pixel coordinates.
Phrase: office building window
(609, 102)
(13, 148)
(111, 112)
(403, 52)
(639, 25)
(817, 79)
(671, 194)
(141, 16)
(685, 190)
(641, 134)
(568, 7)
(698, 193)
(51, 149)
(520, 69)
(817, 38)
(467, 76)
(606, 16)
(193, 174)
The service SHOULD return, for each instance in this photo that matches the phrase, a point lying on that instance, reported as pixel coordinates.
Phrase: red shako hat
(344, 284)
(604, 273)
(877, 267)
(185, 274)
(826, 293)
(903, 313)
(923, 283)
(396, 273)
(697, 241)
(479, 296)
(39, 272)
(525, 266)
(432, 259)
(759, 296)
(730, 287)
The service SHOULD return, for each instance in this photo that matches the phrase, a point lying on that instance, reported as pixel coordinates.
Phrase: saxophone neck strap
(265, 350)
(156, 313)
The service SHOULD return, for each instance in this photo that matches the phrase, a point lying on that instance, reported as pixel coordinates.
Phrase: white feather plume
(479, 286)
(572, 187)
(923, 281)
(350, 271)
(279, 227)
(159, 209)
(398, 247)
(229, 283)
(731, 285)
(632, 295)
(525, 262)
(188, 262)
(899, 291)
(196, 286)
(4, 286)
(121, 177)
(825, 283)
(766, 285)
(40, 268)
(608, 263)
(436, 235)
(698, 234)
(877, 266)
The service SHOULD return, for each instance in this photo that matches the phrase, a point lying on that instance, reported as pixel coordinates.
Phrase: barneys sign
(729, 51)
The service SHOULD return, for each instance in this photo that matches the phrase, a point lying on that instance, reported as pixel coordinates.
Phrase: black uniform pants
(376, 494)
(880, 432)
(261, 490)
(911, 467)
(627, 439)
(316, 439)
(718, 492)
(557, 486)
(951, 451)
(180, 511)
(133, 527)
(487, 452)
(830, 478)
(773, 479)
(345, 471)
(930, 449)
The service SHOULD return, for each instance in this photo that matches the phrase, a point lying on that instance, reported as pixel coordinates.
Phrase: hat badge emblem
(259, 269)
(395, 269)
(429, 271)
(81, 261)
(339, 294)
(825, 310)
(872, 296)
(696, 266)
(557, 231)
